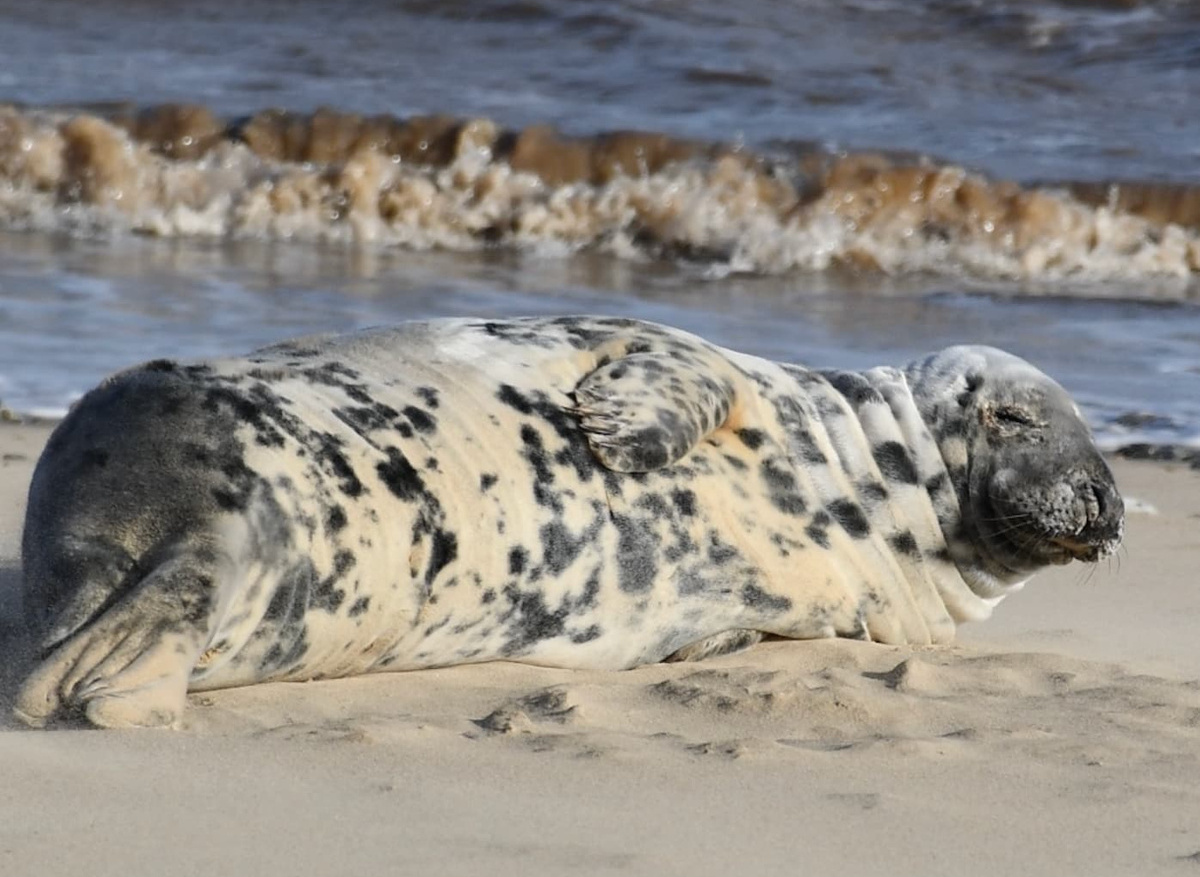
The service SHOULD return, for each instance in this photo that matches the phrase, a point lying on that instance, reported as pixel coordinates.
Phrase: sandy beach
(1061, 737)
(839, 184)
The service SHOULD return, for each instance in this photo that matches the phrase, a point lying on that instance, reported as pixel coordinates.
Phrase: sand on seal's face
(1062, 737)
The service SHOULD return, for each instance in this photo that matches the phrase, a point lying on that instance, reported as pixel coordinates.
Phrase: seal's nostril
(1101, 500)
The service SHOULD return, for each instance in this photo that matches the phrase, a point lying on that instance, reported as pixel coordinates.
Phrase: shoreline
(1061, 736)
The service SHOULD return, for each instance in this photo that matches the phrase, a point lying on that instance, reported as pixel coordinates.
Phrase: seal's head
(1031, 486)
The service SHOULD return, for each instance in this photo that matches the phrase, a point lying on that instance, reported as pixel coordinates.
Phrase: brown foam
(98, 164)
(181, 131)
(1158, 202)
(867, 184)
(184, 131)
(462, 183)
(29, 154)
(936, 200)
(597, 160)
(328, 136)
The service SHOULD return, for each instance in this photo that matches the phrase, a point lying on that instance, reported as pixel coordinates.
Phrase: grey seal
(582, 492)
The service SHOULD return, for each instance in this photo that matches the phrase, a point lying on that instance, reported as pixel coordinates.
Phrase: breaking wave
(464, 184)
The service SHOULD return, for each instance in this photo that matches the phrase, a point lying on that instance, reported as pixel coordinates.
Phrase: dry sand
(1062, 737)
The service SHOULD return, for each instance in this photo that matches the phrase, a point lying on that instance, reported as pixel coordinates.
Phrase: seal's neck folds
(939, 387)
(922, 452)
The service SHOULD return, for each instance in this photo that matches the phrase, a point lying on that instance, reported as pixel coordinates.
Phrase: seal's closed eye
(1013, 416)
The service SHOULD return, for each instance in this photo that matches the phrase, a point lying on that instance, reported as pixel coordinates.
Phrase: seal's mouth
(1023, 527)
(1075, 550)
(1019, 546)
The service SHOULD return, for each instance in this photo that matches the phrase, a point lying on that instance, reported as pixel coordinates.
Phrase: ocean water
(839, 182)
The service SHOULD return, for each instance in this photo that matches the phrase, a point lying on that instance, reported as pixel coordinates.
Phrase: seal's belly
(603, 570)
(442, 515)
(478, 526)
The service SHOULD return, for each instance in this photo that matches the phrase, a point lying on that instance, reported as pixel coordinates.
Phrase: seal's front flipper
(648, 410)
(720, 644)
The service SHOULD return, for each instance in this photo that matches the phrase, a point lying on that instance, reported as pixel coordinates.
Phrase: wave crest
(437, 181)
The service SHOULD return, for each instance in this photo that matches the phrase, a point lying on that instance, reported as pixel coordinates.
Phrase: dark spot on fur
(429, 395)
(647, 449)
(359, 606)
(358, 393)
(782, 488)
(850, 517)
(421, 421)
(400, 477)
(335, 519)
(559, 547)
(785, 544)
(285, 617)
(290, 598)
(539, 461)
(443, 551)
(331, 374)
(637, 552)
(328, 452)
(278, 657)
(752, 438)
(591, 590)
(905, 543)
(895, 463)
(257, 411)
(735, 463)
(816, 530)
(486, 481)
(974, 382)
(235, 493)
(326, 595)
(513, 399)
(872, 492)
(719, 552)
(654, 503)
(586, 635)
(685, 502)
(532, 620)
(518, 557)
(363, 419)
(943, 555)
(856, 388)
(805, 446)
(756, 598)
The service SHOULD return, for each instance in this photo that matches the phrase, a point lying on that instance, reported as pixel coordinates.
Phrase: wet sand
(1059, 737)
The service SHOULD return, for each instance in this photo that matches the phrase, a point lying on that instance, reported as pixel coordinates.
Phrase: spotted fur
(572, 492)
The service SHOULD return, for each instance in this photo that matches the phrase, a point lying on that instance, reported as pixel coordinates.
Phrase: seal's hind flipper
(129, 666)
(648, 410)
(720, 644)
